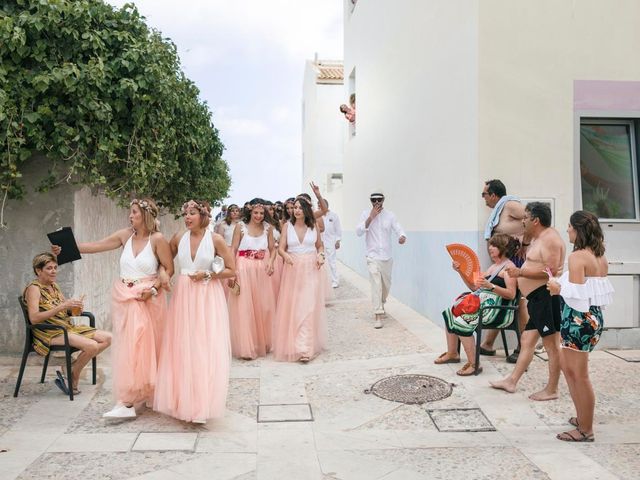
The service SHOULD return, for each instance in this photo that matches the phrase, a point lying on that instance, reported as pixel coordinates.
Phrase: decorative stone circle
(411, 389)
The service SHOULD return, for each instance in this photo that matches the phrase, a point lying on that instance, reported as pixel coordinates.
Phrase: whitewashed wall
(324, 128)
(415, 65)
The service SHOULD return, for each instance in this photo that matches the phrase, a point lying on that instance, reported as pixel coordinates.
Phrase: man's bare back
(546, 250)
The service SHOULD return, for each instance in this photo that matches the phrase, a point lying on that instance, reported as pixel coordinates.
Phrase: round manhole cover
(411, 388)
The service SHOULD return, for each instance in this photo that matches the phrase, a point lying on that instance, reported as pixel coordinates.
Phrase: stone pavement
(314, 421)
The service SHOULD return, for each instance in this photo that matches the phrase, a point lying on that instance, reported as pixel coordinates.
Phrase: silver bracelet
(154, 291)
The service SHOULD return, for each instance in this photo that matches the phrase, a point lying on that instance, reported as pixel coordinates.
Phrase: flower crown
(201, 207)
(144, 205)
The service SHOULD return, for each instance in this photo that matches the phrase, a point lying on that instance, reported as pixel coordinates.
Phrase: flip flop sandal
(568, 436)
(468, 370)
(61, 385)
(488, 353)
(441, 360)
(573, 421)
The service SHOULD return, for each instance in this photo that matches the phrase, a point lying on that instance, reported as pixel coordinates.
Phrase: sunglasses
(377, 200)
(483, 194)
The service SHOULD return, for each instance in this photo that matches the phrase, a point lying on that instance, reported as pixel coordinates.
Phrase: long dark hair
(309, 219)
(257, 202)
(285, 213)
(273, 220)
(588, 232)
(227, 218)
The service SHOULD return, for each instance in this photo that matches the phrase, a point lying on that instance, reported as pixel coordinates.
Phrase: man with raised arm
(377, 225)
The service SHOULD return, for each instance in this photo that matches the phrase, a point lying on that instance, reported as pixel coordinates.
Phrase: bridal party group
(251, 285)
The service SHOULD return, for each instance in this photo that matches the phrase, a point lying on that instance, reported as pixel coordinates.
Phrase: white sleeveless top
(595, 291)
(308, 244)
(227, 232)
(204, 255)
(248, 242)
(144, 265)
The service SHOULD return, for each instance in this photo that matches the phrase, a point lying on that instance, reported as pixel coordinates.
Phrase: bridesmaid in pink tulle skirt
(138, 306)
(300, 329)
(193, 375)
(251, 312)
(278, 263)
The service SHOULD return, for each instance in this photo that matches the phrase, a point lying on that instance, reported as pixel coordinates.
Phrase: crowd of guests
(561, 307)
(254, 283)
(257, 286)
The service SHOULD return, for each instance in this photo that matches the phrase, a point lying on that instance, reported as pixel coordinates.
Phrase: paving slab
(296, 412)
(154, 441)
(94, 442)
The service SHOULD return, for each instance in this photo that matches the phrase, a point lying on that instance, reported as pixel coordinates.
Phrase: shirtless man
(547, 251)
(507, 213)
(506, 217)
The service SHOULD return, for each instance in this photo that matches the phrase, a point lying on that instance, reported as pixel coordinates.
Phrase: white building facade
(451, 93)
(323, 129)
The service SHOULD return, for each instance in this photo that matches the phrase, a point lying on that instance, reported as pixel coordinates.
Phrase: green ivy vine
(102, 96)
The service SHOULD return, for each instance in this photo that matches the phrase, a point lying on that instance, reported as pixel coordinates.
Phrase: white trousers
(380, 279)
(330, 252)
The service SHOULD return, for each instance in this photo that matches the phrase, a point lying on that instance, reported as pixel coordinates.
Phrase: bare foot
(543, 395)
(506, 385)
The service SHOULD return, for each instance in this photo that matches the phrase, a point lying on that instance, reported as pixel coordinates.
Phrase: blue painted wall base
(422, 274)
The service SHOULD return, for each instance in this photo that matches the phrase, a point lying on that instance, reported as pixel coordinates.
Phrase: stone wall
(28, 222)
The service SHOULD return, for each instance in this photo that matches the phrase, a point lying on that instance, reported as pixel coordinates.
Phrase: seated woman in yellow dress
(46, 304)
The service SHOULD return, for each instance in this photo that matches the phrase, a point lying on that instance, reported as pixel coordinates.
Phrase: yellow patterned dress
(48, 301)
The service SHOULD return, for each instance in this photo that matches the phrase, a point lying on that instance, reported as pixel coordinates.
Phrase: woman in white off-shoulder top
(584, 289)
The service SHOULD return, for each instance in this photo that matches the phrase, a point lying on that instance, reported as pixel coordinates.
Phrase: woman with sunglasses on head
(138, 306)
(251, 311)
(299, 333)
(193, 375)
(584, 290)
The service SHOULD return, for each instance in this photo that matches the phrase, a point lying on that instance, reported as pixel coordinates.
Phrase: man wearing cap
(377, 225)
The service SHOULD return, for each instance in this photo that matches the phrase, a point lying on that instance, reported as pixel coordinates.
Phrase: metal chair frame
(66, 348)
(513, 326)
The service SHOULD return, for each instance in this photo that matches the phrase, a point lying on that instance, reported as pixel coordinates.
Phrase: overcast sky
(247, 57)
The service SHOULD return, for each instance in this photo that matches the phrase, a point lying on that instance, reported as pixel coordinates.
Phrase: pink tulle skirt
(276, 278)
(137, 336)
(251, 313)
(328, 289)
(193, 375)
(300, 326)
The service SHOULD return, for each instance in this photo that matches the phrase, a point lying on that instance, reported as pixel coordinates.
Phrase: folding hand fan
(467, 259)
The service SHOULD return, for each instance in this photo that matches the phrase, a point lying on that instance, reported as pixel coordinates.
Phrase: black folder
(65, 239)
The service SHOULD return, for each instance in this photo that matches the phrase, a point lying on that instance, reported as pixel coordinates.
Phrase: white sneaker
(120, 411)
(199, 421)
(334, 285)
(378, 322)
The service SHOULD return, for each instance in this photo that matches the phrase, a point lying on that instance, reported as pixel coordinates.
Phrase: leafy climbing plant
(103, 97)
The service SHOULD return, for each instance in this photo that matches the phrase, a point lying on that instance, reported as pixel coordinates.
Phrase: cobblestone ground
(315, 421)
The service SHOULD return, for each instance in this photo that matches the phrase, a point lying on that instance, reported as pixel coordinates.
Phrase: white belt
(186, 271)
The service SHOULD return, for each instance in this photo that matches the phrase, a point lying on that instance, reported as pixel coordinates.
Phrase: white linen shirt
(332, 229)
(378, 235)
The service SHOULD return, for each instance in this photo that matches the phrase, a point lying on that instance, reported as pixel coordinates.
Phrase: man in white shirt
(331, 239)
(377, 225)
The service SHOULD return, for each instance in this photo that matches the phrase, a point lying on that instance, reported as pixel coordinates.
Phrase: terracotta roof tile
(329, 72)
